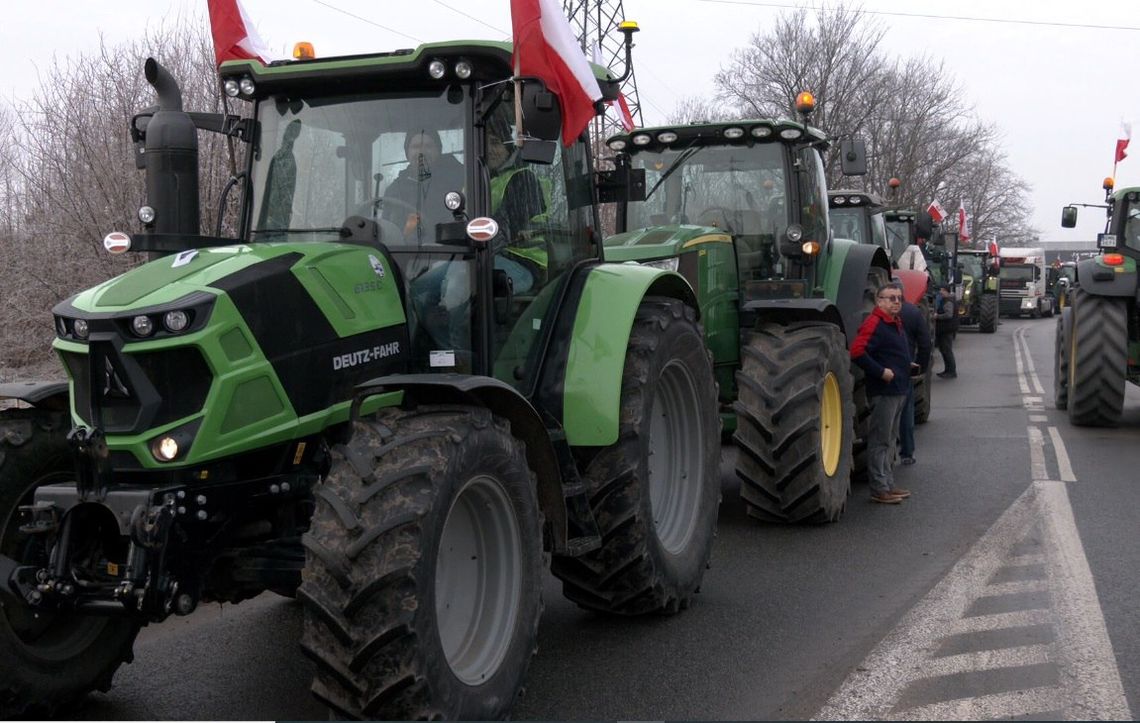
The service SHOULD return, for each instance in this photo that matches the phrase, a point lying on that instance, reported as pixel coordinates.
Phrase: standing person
(945, 329)
(882, 351)
(918, 334)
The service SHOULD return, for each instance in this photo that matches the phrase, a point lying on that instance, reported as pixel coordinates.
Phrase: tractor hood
(661, 242)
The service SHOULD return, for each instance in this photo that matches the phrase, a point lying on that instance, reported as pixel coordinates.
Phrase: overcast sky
(1056, 76)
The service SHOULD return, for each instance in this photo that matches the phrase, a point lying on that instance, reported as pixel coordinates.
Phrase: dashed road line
(1063, 464)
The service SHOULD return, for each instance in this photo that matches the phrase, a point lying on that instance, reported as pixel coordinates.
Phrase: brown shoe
(886, 499)
(900, 493)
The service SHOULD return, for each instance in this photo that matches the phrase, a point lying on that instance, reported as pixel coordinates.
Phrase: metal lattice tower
(595, 23)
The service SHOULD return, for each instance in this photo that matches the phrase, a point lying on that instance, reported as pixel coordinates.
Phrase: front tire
(1098, 360)
(988, 313)
(50, 660)
(422, 592)
(1061, 349)
(795, 423)
(655, 492)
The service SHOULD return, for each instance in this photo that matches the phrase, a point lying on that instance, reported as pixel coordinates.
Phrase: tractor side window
(813, 196)
(879, 232)
(1132, 228)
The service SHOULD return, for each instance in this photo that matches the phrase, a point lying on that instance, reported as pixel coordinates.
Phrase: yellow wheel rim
(831, 424)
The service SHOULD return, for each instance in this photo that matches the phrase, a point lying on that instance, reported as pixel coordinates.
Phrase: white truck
(1022, 287)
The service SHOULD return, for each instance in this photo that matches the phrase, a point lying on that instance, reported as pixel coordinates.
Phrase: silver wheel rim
(676, 464)
(478, 583)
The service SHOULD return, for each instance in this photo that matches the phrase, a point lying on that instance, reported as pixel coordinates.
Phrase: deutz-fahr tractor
(1097, 345)
(862, 217)
(740, 209)
(403, 386)
(978, 274)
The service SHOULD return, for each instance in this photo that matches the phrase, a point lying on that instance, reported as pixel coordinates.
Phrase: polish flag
(234, 35)
(937, 213)
(623, 113)
(1122, 143)
(963, 223)
(545, 48)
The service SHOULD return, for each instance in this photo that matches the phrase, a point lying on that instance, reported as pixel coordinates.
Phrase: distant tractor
(1097, 345)
(740, 210)
(978, 273)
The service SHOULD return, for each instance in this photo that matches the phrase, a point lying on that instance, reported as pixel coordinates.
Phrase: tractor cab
(901, 229)
(859, 216)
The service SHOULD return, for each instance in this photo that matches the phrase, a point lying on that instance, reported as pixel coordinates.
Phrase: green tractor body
(978, 275)
(740, 210)
(1097, 343)
(407, 378)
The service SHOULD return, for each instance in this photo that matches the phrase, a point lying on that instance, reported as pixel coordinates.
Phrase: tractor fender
(44, 395)
(1096, 277)
(595, 357)
(914, 284)
(857, 264)
(788, 311)
(501, 399)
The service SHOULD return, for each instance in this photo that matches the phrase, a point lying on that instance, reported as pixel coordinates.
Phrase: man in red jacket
(883, 352)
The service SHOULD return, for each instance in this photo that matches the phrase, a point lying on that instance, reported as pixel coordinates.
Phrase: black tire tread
(1098, 361)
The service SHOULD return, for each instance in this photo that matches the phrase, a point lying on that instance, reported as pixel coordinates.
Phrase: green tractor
(977, 270)
(394, 406)
(1097, 344)
(740, 209)
(1059, 280)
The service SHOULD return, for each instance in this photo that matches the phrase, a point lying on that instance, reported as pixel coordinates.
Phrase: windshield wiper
(685, 155)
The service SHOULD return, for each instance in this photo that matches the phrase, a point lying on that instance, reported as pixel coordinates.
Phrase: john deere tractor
(1097, 345)
(740, 209)
(391, 395)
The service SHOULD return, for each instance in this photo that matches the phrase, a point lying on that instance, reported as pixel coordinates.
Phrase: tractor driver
(419, 189)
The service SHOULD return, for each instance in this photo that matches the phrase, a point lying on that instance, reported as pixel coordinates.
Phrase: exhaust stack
(171, 158)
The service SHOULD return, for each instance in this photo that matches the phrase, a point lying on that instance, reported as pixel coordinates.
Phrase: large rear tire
(987, 313)
(922, 390)
(655, 492)
(1098, 359)
(794, 423)
(50, 660)
(422, 591)
(1061, 349)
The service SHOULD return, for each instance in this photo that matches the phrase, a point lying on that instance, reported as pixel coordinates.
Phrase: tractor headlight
(142, 325)
(617, 144)
(794, 233)
(666, 137)
(790, 134)
(79, 326)
(247, 86)
(231, 88)
(146, 214)
(175, 321)
(436, 69)
(669, 264)
(733, 133)
(761, 132)
(641, 139)
(463, 69)
(165, 449)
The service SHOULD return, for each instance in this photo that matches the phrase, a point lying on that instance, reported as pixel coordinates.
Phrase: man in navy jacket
(883, 352)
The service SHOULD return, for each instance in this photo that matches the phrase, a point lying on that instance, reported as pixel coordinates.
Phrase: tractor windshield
(391, 158)
(735, 188)
(898, 237)
(971, 265)
(848, 223)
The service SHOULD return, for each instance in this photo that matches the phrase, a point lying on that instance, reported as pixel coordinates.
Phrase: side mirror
(1069, 217)
(542, 116)
(853, 157)
(539, 151)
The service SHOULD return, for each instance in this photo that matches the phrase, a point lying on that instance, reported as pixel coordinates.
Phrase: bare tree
(910, 112)
(70, 177)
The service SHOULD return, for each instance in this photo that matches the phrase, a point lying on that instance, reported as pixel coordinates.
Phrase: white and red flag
(963, 222)
(622, 107)
(545, 48)
(1122, 143)
(235, 37)
(937, 213)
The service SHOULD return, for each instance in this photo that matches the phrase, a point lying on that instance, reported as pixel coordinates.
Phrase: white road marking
(993, 707)
(1038, 418)
(1036, 453)
(1019, 338)
(1062, 455)
(1022, 382)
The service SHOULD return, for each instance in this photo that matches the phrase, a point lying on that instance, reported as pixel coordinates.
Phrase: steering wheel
(724, 217)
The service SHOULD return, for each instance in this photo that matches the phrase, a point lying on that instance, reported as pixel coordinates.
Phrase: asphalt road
(999, 589)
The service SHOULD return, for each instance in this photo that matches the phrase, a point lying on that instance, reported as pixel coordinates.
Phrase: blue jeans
(906, 425)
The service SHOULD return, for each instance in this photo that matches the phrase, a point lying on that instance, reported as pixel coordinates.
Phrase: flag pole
(518, 103)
